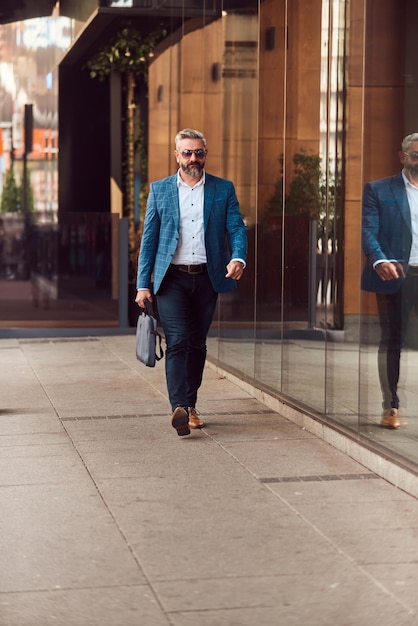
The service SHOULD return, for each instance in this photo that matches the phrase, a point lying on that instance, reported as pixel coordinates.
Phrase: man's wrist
(243, 263)
(380, 261)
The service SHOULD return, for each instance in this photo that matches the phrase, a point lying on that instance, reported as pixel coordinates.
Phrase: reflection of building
(266, 81)
(28, 59)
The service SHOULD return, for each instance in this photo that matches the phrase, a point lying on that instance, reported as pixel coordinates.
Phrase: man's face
(409, 159)
(191, 157)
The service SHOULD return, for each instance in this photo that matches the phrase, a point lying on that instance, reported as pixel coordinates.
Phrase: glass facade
(302, 102)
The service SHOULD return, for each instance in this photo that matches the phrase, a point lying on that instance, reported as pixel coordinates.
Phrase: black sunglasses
(200, 153)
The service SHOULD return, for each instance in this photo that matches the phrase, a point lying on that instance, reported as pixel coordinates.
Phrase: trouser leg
(202, 308)
(389, 352)
(186, 304)
(393, 316)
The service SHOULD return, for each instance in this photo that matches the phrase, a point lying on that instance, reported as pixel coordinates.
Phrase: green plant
(11, 195)
(306, 194)
(306, 190)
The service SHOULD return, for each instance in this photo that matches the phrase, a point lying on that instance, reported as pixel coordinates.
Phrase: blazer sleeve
(235, 227)
(225, 231)
(371, 225)
(149, 242)
(385, 232)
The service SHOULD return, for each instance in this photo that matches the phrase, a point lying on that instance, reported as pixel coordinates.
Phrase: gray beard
(413, 171)
(193, 170)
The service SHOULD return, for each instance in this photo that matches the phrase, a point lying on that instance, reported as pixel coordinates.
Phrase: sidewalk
(108, 518)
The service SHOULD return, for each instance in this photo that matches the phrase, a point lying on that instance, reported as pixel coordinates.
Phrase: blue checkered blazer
(386, 230)
(225, 232)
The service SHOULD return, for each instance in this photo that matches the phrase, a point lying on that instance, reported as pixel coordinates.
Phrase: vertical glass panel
(269, 231)
(300, 211)
(390, 94)
(303, 373)
(240, 81)
(341, 344)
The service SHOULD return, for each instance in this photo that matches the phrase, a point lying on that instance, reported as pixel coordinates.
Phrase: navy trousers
(394, 312)
(186, 304)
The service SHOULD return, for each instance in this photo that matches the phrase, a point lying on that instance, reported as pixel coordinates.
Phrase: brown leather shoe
(390, 419)
(194, 419)
(180, 421)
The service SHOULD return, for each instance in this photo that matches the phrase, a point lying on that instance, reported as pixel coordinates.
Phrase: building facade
(302, 102)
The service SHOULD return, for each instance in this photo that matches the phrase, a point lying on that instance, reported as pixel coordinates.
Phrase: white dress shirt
(191, 246)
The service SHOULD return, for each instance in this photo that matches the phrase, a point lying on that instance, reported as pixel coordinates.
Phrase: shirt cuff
(376, 263)
(241, 261)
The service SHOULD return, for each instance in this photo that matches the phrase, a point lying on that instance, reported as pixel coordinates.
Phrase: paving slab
(61, 536)
(129, 605)
(282, 600)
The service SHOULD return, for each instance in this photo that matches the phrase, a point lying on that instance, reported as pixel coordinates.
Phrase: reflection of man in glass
(390, 243)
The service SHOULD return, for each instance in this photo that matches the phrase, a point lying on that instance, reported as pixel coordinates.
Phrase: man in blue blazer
(194, 246)
(390, 243)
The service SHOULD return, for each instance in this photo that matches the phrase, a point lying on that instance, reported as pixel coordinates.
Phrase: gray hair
(189, 133)
(408, 140)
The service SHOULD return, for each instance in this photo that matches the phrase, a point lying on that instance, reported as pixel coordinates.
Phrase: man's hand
(235, 270)
(390, 271)
(141, 296)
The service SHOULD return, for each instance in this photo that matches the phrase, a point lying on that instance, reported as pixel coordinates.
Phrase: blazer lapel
(398, 189)
(173, 195)
(209, 194)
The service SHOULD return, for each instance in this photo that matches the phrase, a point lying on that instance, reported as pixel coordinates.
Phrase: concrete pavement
(108, 518)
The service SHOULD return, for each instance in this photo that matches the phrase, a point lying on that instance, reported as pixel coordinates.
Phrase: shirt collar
(180, 181)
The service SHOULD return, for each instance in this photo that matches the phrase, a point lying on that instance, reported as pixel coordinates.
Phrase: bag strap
(160, 348)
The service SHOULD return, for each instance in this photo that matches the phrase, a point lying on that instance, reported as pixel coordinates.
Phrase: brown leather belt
(199, 268)
(412, 270)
